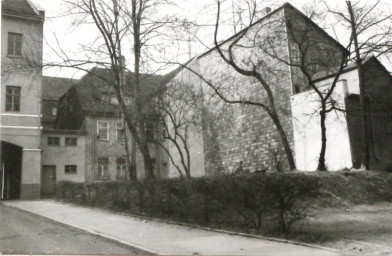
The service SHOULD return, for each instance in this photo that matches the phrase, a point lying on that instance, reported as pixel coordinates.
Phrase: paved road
(163, 238)
(24, 233)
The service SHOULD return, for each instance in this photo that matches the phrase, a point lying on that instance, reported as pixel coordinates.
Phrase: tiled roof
(23, 7)
(92, 86)
(54, 87)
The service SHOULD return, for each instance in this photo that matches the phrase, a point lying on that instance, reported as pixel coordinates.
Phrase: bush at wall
(248, 200)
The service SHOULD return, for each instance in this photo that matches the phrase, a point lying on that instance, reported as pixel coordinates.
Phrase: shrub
(216, 200)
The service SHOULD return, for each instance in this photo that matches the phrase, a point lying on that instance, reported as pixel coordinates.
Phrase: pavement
(157, 237)
(25, 233)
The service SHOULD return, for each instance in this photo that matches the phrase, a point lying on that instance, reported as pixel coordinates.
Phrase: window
(14, 44)
(71, 142)
(103, 130)
(295, 54)
(298, 88)
(313, 64)
(54, 111)
(53, 141)
(150, 136)
(12, 98)
(70, 169)
(121, 168)
(103, 171)
(164, 131)
(120, 131)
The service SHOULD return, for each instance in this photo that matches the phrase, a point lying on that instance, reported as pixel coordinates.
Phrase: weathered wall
(238, 133)
(65, 155)
(307, 131)
(378, 84)
(113, 149)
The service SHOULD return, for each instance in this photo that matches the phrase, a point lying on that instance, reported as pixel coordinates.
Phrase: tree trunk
(321, 163)
(283, 138)
(362, 90)
(132, 164)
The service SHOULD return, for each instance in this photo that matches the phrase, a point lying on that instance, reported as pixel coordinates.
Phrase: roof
(54, 87)
(93, 85)
(20, 8)
(319, 76)
(286, 5)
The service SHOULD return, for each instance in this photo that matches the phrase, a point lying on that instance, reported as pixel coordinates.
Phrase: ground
(24, 233)
(364, 229)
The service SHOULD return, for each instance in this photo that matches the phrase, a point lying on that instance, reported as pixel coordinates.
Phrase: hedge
(256, 201)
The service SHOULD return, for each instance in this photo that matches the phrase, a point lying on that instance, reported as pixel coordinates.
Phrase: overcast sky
(59, 32)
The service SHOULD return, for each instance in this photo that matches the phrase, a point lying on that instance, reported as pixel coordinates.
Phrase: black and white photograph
(196, 127)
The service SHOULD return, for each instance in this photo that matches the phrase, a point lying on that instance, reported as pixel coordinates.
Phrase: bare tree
(118, 21)
(179, 109)
(314, 52)
(370, 29)
(246, 66)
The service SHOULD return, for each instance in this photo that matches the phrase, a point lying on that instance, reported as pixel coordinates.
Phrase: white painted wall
(307, 131)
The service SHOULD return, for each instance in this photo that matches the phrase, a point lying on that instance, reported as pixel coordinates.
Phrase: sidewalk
(158, 237)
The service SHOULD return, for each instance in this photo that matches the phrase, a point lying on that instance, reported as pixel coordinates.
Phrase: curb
(234, 233)
(140, 248)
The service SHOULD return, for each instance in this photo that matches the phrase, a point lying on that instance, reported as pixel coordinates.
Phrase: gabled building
(21, 75)
(90, 109)
(241, 137)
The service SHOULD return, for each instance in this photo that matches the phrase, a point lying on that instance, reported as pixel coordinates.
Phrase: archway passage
(11, 170)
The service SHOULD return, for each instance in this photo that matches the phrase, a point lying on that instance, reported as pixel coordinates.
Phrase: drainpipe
(94, 137)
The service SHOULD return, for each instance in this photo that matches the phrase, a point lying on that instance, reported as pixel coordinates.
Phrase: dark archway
(11, 173)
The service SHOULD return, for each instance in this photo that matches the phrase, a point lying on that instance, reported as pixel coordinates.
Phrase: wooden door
(48, 181)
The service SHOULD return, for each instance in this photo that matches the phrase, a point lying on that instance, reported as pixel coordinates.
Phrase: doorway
(11, 170)
(48, 181)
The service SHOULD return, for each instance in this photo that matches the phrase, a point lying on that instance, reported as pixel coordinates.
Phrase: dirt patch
(362, 229)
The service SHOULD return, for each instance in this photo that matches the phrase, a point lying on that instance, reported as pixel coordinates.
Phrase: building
(90, 111)
(344, 128)
(282, 47)
(21, 74)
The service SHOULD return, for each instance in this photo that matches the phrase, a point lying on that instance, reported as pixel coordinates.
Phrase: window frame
(150, 132)
(15, 96)
(107, 130)
(295, 54)
(104, 171)
(121, 128)
(67, 144)
(51, 144)
(314, 66)
(73, 169)
(122, 163)
(15, 45)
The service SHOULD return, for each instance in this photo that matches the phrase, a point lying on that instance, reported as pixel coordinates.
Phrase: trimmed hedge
(252, 201)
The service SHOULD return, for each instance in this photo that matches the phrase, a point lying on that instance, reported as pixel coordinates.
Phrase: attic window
(313, 64)
(295, 54)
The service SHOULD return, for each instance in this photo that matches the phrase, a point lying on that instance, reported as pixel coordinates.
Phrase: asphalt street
(25, 233)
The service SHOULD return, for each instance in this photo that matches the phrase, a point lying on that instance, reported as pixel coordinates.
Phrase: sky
(59, 32)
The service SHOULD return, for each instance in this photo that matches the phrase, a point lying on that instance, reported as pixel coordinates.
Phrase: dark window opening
(103, 171)
(12, 98)
(70, 169)
(53, 141)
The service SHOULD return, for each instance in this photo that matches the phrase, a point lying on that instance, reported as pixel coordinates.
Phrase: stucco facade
(21, 56)
(344, 128)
